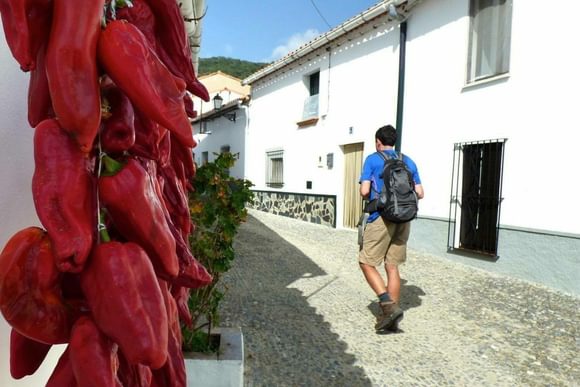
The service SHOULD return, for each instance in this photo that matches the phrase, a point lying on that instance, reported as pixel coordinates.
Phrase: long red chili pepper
(172, 374)
(148, 135)
(172, 47)
(71, 68)
(92, 355)
(15, 24)
(30, 292)
(126, 302)
(62, 375)
(118, 129)
(133, 205)
(63, 192)
(129, 60)
(141, 16)
(39, 101)
(26, 355)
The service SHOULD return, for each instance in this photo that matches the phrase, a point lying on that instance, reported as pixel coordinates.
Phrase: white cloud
(293, 43)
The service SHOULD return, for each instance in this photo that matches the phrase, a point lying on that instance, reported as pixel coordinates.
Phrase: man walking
(384, 242)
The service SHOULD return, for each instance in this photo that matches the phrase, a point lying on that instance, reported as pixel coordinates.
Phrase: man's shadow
(410, 298)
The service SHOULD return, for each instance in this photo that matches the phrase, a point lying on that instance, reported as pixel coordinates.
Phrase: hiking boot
(390, 317)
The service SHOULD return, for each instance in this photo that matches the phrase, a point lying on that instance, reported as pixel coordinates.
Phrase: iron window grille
(476, 196)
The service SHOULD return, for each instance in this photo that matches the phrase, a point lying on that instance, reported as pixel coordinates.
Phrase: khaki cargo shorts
(384, 242)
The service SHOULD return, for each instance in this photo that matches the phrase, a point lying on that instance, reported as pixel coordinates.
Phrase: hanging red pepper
(15, 24)
(118, 126)
(133, 375)
(39, 22)
(92, 355)
(71, 68)
(26, 355)
(39, 101)
(63, 192)
(62, 375)
(30, 292)
(148, 135)
(126, 302)
(136, 212)
(173, 47)
(172, 374)
(130, 61)
(141, 16)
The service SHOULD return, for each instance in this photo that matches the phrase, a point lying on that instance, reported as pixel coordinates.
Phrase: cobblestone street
(307, 317)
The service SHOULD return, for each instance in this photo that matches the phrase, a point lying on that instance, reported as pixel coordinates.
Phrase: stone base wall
(319, 209)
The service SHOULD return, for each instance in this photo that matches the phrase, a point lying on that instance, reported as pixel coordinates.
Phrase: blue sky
(266, 30)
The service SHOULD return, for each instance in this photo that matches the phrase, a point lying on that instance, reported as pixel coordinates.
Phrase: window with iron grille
(311, 102)
(489, 38)
(474, 212)
(275, 169)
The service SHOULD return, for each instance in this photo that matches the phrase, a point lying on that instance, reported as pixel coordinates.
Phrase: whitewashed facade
(527, 112)
(223, 129)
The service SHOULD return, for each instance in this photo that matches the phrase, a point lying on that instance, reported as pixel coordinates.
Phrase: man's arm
(365, 188)
(418, 190)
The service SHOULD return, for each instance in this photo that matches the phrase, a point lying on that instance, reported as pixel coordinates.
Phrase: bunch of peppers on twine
(109, 273)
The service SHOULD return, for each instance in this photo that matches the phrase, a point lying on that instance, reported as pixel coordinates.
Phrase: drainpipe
(401, 88)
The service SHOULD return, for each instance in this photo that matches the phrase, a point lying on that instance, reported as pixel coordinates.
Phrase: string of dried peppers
(110, 273)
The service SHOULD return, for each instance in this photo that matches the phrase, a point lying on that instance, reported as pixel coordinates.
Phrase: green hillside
(236, 67)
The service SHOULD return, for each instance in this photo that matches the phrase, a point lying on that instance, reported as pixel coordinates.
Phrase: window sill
(307, 122)
(481, 82)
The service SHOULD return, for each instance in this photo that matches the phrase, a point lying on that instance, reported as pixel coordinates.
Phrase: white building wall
(16, 206)
(348, 112)
(535, 108)
(223, 132)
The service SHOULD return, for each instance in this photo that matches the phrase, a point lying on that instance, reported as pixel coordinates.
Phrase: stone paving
(307, 317)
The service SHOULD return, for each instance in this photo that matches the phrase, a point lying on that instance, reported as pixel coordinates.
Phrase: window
(224, 148)
(275, 169)
(203, 128)
(204, 158)
(311, 102)
(489, 38)
(476, 197)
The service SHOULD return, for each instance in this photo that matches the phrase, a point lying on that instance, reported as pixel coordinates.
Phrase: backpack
(397, 201)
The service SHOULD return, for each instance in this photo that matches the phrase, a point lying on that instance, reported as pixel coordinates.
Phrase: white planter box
(224, 369)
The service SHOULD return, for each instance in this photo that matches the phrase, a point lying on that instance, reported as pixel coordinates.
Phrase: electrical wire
(320, 13)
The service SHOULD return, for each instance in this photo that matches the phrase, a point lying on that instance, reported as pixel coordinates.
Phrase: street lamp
(217, 105)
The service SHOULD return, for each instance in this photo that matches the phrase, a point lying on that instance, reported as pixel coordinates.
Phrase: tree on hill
(236, 67)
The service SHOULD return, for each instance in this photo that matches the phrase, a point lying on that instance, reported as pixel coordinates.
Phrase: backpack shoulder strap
(384, 156)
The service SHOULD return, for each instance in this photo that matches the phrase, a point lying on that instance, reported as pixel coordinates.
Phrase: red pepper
(62, 375)
(189, 108)
(15, 24)
(130, 61)
(71, 68)
(148, 135)
(172, 374)
(26, 355)
(181, 296)
(133, 375)
(141, 16)
(92, 355)
(175, 198)
(173, 47)
(137, 214)
(126, 302)
(192, 274)
(118, 129)
(63, 191)
(30, 290)
(39, 101)
(39, 22)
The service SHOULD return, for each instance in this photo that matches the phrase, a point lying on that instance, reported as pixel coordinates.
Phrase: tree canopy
(236, 67)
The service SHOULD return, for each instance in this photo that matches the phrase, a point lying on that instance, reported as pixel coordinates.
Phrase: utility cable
(320, 13)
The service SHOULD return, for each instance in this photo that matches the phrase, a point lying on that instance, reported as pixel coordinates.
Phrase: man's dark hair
(387, 135)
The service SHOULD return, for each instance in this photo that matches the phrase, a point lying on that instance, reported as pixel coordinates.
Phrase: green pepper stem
(104, 234)
(112, 166)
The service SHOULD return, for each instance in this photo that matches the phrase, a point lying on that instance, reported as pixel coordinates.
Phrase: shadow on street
(286, 342)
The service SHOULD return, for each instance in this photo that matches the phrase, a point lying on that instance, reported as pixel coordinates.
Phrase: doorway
(353, 202)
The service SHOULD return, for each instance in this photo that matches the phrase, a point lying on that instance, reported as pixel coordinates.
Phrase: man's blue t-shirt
(373, 168)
